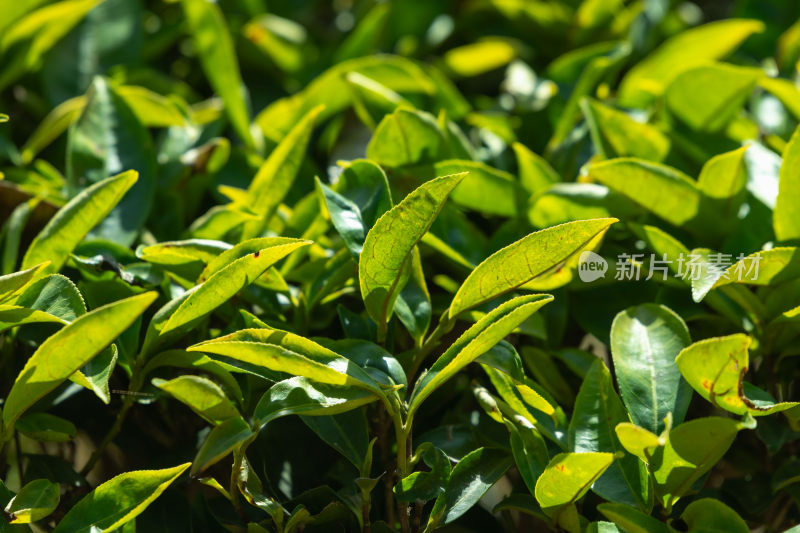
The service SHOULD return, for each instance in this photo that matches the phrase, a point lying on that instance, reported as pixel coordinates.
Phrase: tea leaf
(73, 221)
(119, 500)
(68, 350)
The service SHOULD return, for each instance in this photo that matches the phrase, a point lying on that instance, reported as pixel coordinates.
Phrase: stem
(234, 487)
(444, 326)
(98, 452)
(416, 524)
(365, 504)
(382, 328)
(19, 460)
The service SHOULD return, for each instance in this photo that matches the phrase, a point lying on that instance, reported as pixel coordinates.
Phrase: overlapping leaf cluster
(316, 267)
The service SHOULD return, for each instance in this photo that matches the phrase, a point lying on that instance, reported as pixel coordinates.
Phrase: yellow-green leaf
(118, 500)
(286, 352)
(786, 217)
(217, 56)
(616, 134)
(73, 221)
(479, 57)
(14, 283)
(202, 395)
(568, 477)
(221, 441)
(663, 190)
(708, 97)
(277, 174)
(217, 289)
(524, 260)
(716, 367)
(69, 349)
(688, 49)
(384, 266)
(34, 501)
(477, 340)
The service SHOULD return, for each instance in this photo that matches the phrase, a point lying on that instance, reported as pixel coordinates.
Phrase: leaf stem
(112, 432)
(444, 326)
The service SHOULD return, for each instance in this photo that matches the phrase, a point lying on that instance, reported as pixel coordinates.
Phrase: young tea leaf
(68, 350)
(118, 501)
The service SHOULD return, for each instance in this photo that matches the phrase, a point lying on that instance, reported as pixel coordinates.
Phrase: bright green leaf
(118, 500)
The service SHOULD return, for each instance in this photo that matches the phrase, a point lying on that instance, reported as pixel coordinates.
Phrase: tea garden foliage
(317, 266)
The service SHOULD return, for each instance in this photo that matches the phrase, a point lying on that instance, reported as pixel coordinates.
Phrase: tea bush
(399, 266)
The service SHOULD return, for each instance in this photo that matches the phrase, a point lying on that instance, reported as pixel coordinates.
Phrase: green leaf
(372, 100)
(245, 248)
(152, 109)
(14, 283)
(472, 476)
(12, 316)
(277, 174)
(785, 91)
(715, 369)
(708, 515)
(53, 125)
(425, 486)
(690, 450)
(697, 46)
(346, 432)
(54, 294)
(286, 352)
(25, 44)
(529, 450)
(524, 260)
(722, 181)
(481, 182)
(45, 427)
(119, 500)
(202, 395)
(631, 520)
(13, 228)
(597, 412)
(786, 217)
(181, 312)
(68, 350)
(565, 202)
(108, 139)
(616, 134)
(568, 477)
(95, 374)
(644, 343)
(195, 361)
(73, 221)
(413, 304)
(535, 173)
(222, 440)
(215, 49)
(383, 267)
(663, 190)
(477, 58)
(477, 340)
(301, 396)
(184, 252)
(767, 267)
(356, 201)
(33, 502)
(708, 97)
(406, 137)
(638, 441)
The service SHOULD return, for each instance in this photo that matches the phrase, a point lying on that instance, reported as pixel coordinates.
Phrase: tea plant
(516, 266)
